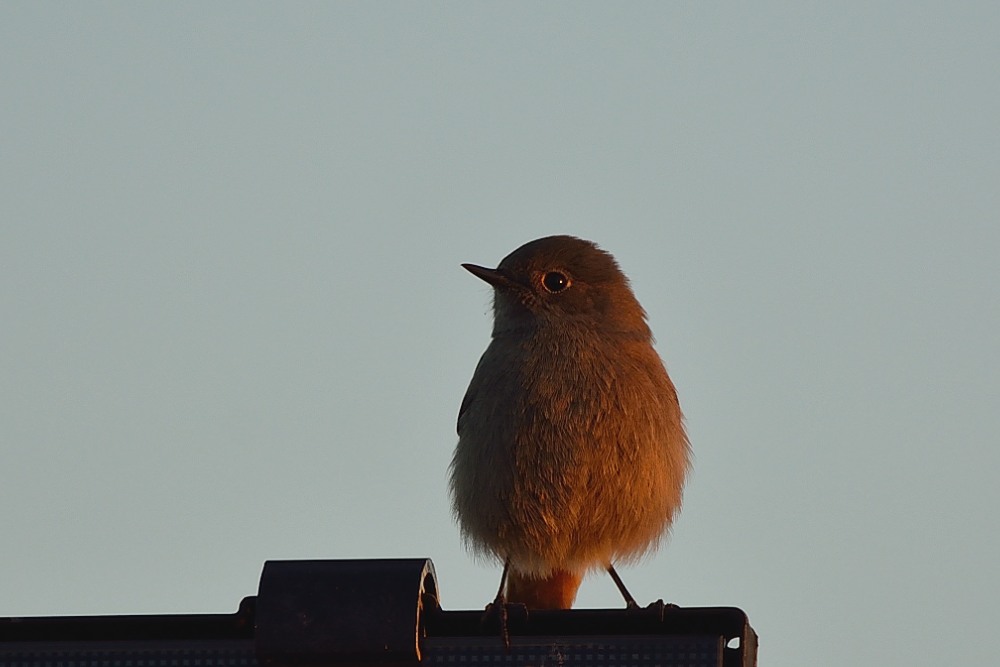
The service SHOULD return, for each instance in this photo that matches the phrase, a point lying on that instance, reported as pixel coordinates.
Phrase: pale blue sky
(234, 325)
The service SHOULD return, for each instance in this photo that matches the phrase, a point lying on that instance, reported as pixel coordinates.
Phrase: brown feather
(555, 591)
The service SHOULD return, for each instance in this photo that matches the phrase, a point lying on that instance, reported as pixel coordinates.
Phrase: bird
(572, 452)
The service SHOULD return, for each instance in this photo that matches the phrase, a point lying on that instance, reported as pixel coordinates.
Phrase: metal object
(379, 612)
(346, 611)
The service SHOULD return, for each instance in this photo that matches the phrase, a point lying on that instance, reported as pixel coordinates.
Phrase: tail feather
(556, 591)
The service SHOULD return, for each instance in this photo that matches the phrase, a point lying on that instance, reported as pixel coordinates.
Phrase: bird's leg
(500, 605)
(629, 600)
(503, 582)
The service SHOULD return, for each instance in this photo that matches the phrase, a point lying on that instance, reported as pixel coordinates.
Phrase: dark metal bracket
(380, 612)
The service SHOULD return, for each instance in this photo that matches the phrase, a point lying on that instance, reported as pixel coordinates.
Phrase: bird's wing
(470, 396)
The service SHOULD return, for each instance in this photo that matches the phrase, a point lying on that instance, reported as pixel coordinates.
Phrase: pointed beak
(492, 276)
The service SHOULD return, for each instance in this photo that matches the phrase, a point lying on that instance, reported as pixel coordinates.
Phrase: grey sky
(234, 325)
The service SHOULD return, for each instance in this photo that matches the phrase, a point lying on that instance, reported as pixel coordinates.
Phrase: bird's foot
(660, 607)
(497, 609)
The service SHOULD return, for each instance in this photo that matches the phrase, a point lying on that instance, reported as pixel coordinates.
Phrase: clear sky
(234, 325)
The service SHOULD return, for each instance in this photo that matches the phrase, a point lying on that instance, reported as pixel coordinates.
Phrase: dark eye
(555, 281)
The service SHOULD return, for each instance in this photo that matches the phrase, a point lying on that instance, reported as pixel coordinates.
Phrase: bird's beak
(492, 276)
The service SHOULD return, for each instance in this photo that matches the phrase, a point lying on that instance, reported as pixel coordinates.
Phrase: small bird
(571, 452)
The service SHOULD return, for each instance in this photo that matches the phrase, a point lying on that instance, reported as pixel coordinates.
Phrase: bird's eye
(555, 281)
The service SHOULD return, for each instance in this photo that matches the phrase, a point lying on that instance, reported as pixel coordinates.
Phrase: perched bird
(571, 449)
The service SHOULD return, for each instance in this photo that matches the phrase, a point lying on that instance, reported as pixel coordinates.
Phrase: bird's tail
(555, 591)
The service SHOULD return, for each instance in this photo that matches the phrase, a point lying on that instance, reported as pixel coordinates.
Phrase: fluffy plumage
(572, 453)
